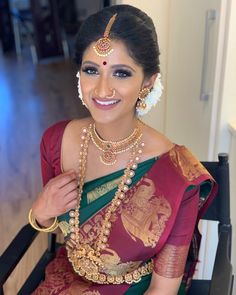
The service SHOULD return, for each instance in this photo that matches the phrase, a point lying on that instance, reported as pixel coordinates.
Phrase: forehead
(119, 55)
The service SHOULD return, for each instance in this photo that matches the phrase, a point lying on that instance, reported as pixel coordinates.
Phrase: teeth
(107, 102)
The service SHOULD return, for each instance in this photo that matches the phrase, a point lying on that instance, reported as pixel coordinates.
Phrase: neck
(116, 131)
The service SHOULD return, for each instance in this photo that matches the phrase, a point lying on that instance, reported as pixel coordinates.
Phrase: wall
(226, 137)
(87, 7)
(232, 163)
(228, 96)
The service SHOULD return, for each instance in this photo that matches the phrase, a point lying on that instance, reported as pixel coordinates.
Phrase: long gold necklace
(86, 259)
(111, 148)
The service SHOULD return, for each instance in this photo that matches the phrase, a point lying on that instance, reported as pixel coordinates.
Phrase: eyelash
(122, 74)
(90, 70)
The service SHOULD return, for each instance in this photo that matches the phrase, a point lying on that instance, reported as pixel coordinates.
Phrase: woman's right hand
(57, 197)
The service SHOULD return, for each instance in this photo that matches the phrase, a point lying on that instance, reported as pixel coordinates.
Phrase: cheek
(86, 85)
(129, 93)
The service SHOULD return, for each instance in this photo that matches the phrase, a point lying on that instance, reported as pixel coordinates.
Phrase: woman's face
(101, 76)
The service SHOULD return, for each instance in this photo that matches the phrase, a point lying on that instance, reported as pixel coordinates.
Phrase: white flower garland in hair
(79, 89)
(152, 98)
(79, 86)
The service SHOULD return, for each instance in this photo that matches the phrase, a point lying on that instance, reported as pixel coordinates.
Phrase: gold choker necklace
(86, 260)
(111, 148)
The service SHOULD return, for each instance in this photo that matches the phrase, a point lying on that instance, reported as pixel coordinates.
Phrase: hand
(57, 197)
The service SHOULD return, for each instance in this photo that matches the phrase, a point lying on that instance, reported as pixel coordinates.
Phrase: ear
(149, 82)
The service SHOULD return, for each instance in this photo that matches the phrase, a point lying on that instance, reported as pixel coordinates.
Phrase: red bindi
(104, 63)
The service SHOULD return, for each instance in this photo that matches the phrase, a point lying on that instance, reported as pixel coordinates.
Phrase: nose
(103, 88)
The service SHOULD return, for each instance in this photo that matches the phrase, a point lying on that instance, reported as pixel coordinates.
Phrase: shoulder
(56, 131)
(156, 143)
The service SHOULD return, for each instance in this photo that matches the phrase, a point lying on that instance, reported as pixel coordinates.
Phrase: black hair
(132, 26)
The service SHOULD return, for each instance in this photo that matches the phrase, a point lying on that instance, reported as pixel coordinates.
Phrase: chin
(111, 117)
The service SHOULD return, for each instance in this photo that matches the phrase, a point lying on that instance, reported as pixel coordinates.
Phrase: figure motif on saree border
(183, 159)
(113, 264)
(102, 190)
(145, 215)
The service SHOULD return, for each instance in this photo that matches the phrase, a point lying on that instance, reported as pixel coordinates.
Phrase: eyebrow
(88, 62)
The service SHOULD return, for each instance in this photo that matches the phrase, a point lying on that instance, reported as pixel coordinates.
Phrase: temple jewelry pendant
(108, 157)
(84, 260)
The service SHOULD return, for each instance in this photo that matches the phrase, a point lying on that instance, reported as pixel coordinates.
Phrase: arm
(163, 286)
(169, 263)
(60, 192)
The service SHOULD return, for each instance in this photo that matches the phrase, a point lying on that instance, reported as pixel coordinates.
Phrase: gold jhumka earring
(103, 45)
(143, 93)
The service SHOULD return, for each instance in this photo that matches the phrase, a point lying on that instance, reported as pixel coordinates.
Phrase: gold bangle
(34, 224)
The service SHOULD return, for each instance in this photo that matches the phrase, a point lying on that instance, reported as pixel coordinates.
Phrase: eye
(90, 70)
(122, 73)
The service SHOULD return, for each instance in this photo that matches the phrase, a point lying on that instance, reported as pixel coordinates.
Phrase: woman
(125, 197)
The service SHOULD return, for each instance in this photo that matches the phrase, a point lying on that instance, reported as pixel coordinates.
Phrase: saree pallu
(155, 221)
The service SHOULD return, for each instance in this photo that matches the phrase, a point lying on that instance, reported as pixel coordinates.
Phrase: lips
(105, 103)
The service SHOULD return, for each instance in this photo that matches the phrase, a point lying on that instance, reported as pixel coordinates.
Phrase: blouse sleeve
(46, 164)
(170, 261)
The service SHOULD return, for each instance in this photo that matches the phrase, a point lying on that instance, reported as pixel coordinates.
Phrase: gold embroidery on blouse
(170, 263)
(102, 189)
(182, 158)
(144, 217)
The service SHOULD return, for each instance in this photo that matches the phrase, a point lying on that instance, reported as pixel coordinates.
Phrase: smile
(106, 102)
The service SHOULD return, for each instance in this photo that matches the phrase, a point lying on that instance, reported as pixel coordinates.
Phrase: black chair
(222, 278)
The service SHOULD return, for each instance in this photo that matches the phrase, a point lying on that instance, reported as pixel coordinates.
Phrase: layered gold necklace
(86, 259)
(110, 149)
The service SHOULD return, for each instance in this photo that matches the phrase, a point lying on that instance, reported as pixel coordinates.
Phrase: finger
(69, 187)
(64, 179)
(73, 195)
(71, 205)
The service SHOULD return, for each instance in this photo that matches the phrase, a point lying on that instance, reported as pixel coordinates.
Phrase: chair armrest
(222, 278)
(15, 251)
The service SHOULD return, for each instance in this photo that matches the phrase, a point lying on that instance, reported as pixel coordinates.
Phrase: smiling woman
(125, 197)
(114, 86)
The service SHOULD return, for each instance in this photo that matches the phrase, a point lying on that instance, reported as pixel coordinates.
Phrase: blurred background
(38, 87)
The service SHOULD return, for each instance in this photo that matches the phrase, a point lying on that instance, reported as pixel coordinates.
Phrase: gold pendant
(84, 260)
(108, 157)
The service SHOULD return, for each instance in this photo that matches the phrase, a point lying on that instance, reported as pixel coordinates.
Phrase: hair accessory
(33, 223)
(79, 90)
(103, 45)
(151, 99)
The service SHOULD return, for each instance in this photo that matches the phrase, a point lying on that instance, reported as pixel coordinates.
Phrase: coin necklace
(111, 148)
(86, 259)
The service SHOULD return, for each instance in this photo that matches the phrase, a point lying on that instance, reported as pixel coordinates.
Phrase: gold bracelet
(34, 224)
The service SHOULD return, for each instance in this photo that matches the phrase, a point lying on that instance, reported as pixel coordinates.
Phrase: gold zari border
(129, 278)
(170, 262)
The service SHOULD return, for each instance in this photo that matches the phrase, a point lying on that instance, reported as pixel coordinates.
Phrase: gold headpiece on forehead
(103, 45)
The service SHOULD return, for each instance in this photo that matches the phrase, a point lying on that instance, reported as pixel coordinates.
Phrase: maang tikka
(103, 45)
